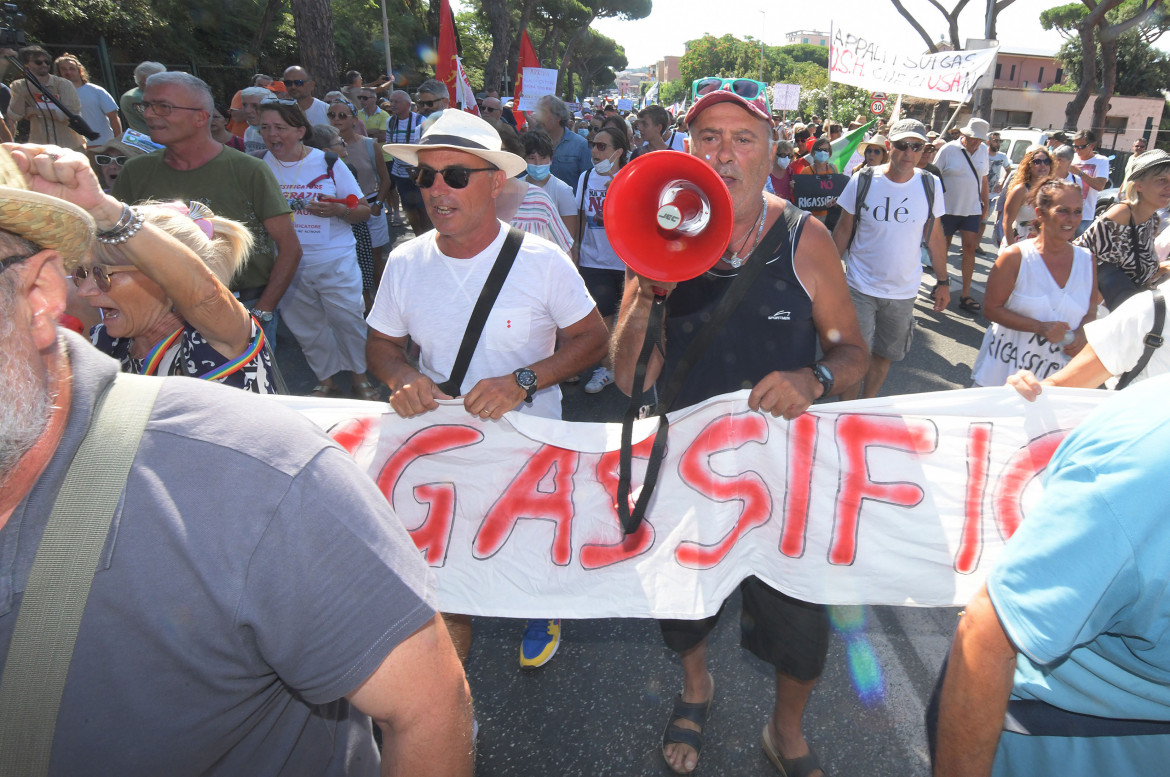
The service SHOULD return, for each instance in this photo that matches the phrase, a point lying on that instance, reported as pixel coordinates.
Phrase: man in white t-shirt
(299, 85)
(883, 262)
(963, 164)
(1091, 171)
(543, 327)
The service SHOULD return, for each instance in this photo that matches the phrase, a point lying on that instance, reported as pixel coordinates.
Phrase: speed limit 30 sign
(877, 106)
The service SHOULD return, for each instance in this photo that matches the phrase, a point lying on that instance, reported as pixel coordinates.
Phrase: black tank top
(771, 328)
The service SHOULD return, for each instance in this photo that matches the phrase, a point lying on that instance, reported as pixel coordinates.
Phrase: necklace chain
(736, 260)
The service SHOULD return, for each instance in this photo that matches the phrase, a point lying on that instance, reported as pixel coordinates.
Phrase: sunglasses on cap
(746, 88)
(106, 159)
(905, 145)
(294, 81)
(101, 274)
(455, 177)
(279, 101)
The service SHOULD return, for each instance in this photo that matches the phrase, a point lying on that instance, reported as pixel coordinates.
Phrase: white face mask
(604, 167)
(783, 162)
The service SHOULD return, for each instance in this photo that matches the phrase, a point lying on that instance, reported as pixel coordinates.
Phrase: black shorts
(791, 635)
(605, 286)
(952, 224)
(408, 192)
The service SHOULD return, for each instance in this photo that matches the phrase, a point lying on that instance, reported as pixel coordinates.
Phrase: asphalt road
(599, 707)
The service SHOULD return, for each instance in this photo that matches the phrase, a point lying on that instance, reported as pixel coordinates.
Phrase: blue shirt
(571, 157)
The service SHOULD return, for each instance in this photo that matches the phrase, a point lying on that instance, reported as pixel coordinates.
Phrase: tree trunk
(1072, 111)
(514, 48)
(270, 10)
(1108, 85)
(548, 47)
(314, 24)
(563, 75)
(983, 107)
(500, 21)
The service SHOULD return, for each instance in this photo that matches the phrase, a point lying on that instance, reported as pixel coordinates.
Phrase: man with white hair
(571, 155)
(209, 641)
(250, 100)
(404, 126)
(963, 163)
(194, 166)
(133, 96)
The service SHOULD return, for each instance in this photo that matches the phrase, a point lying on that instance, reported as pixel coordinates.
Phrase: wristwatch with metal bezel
(823, 376)
(526, 379)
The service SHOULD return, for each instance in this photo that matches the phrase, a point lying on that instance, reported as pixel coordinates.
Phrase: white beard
(25, 399)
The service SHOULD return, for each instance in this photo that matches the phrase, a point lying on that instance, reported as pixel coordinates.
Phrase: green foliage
(729, 57)
(674, 91)
(848, 103)
(1064, 18)
(1142, 69)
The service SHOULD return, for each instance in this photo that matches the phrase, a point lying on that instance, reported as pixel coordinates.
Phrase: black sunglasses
(429, 103)
(294, 81)
(874, 150)
(105, 159)
(1079, 146)
(360, 97)
(489, 109)
(903, 145)
(1042, 161)
(455, 177)
(600, 146)
(333, 115)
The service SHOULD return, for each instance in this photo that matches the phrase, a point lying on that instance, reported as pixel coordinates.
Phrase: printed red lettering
(978, 461)
(524, 499)
(856, 434)
(597, 555)
(352, 432)
(1025, 464)
(802, 445)
(725, 433)
(433, 534)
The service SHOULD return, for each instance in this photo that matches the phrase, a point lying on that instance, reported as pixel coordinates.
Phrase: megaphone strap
(777, 237)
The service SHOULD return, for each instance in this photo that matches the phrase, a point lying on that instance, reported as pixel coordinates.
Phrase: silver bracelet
(126, 228)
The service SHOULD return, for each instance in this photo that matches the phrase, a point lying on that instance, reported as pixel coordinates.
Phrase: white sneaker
(601, 378)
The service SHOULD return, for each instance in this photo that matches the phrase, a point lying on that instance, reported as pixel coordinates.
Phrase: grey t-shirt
(252, 578)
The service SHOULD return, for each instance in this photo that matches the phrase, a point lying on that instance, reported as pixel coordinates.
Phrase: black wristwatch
(526, 379)
(823, 375)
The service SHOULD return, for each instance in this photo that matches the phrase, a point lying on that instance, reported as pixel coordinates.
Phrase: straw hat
(877, 141)
(40, 219)
(461, 131)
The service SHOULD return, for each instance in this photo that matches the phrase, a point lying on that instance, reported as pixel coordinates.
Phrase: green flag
(844, 146)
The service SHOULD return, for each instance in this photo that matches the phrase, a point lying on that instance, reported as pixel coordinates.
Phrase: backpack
(865, 178)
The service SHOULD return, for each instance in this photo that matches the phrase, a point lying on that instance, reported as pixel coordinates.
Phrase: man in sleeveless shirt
(769, 343)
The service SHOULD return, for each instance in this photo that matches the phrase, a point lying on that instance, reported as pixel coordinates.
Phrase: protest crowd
(417, 250)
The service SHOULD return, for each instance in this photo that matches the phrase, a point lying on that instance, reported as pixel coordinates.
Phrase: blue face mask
(583, 132)
(820, 157)
(538, 172)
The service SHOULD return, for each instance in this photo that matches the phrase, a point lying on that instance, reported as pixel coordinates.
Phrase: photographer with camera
(48, 124)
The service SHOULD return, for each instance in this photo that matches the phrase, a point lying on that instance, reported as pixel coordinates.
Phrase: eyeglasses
(39, 62)
(745, 87)
(1041, 161)
(429, 103)
(360, 97)
(455, 177)
(105, 159)
(874, 150)
(1079, 146)
(294, 81)
(339, 115)
(600, 146)
(162, 109)
(903, 145)
(487, 109)
(101, 274)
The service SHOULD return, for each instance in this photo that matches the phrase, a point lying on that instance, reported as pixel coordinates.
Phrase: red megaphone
(350, 201)
(668, 215)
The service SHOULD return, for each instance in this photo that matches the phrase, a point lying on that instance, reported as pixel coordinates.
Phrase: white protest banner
(625, 104)
(785, 97)
(860, 61)
(538, 81)
(904, 501)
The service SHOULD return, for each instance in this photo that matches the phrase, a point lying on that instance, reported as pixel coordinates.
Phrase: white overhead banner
(858, 60)
(904, 501)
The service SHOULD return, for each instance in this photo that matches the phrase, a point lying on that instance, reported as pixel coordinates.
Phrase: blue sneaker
(541, 639)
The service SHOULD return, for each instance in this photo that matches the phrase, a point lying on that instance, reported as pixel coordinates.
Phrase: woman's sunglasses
(104, 159)
(338, 115)
(101, 274)
(455, 177)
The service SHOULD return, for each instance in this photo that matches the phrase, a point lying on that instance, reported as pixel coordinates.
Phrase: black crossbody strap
(777, 236)
(483, 307)
(1152, 342)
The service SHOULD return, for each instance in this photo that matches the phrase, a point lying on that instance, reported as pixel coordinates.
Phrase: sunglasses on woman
(746, 88)
(105, 159)
(101, 274)
(877, 151)
(338, 115)
(1041, 161)
(455, 177)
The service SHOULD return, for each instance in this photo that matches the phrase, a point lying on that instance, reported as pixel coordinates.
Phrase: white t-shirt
(253, 140)
(595, 250)
(998, 167)
(322, 239)
(542, 293)
(885, 259)
(1096, 166)
(963, 185)
(1118, 338)
(561, 194)
(318, 112)
(676, 140)
(95, 104)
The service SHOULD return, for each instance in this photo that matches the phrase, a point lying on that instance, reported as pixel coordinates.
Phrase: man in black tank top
(768, 345)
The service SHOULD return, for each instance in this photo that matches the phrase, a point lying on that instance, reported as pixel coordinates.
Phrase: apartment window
(1116, 124)
(1011, 118)
(1040, 78)
(998, 71)
(805, 40)
(1059, 75)
(1012, 77)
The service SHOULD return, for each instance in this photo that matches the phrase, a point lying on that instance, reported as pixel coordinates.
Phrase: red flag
(445, 63)
(528, 58)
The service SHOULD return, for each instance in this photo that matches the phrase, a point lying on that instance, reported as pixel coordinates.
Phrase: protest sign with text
(538, 81)
(906, 500)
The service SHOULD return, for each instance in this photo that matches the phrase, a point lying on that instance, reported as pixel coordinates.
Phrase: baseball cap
(908, 128)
